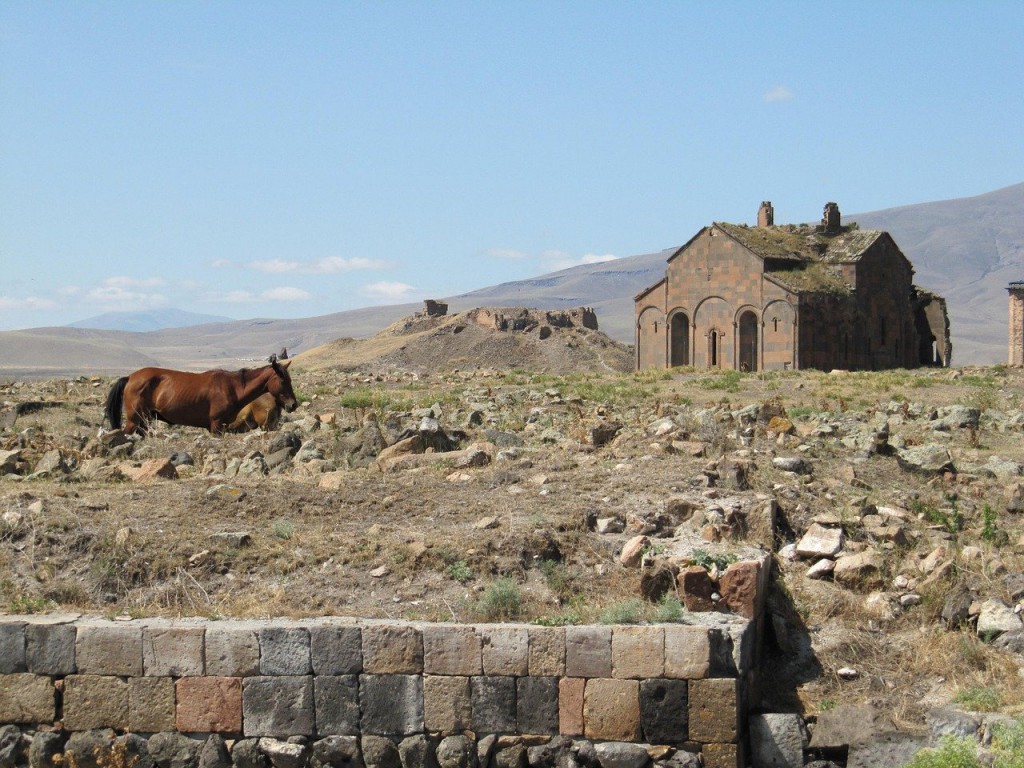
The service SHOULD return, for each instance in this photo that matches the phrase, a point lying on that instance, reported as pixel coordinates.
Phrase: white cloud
(388, 292)
(117, 293)
(29, 302)
(123, 281)
(779, 93)
(506, 253)
(328, 265)
(558, 260)
(285, 293)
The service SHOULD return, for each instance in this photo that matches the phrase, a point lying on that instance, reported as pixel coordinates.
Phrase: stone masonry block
(722, 756)
(714, 710)
(663, 711)
(285, 651)
(337, 704)
(12, 647)
(447, 703)
(213, 704)
(742, 588)
(26, 698)
(392, 705)
(150, 704)
(232, 649)
(336, 650)
(588, 651)
(451, 649)
(104, 648)
(547, 651)
(687, 652)
(494, 704)
(50, 648)
(570, 706)
(169, 651)
(505, 650)
(638, 652)
(278, 706)
(611, 710)
(537, 705)
(95, 701)
(395, 649)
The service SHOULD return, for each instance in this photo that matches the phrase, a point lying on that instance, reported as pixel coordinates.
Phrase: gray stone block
(174, 750)
(50, 649)
(380, 752)
(12, 647)
(417, 751)
(886, 750)
(104, 648)
(337, 752)
(588, 651)
(337, 705)
(664, 711)
(494, 704)
(232, 650)
(246, 754)
(777, 740)
(392, 705)
(278, 706)
(336, 650)
(169, 651)
(285, 651)
(45, 747)
(537, 705)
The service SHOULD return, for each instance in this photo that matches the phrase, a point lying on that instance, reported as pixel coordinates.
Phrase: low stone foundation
(668, 687)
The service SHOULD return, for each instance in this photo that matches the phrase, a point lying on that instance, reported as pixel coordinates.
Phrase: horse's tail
(114, 402)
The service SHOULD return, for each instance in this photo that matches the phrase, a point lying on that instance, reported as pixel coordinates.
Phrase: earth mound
(554, 341)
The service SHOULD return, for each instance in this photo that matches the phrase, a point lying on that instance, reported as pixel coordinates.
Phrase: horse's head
(280, 385)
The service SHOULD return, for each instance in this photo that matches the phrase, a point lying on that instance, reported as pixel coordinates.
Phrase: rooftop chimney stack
(766, 214)
(831, 221)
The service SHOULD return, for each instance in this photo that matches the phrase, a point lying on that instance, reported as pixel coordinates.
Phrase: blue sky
(297, 159)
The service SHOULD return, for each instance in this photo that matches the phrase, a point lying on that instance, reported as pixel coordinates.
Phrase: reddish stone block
(638, 652)
(611, 710)
(696, 587)
(714, 710)
(740, 587)
(570, 705)
(209, 705)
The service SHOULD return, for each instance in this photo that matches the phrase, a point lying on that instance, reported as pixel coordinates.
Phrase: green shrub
(502, 600)
(985, 699)
(951, 753)
(627, 612)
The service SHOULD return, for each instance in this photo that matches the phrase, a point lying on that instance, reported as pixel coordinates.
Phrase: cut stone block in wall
(537, 705)
(150, 704)
(588, 651)
(570, 705)
(392, 649)
(50, 648)
(392, 705)
(687, 652)
(285, 651)
(664, 712)
(337, 704)
(638, 652)
(336, 650)
(109, 649)
(232, 649)
(27, 698)
(722, 756)
(494, 704)
(95, 701)
(12, 647)
(451, 649)
(279, 706)
(209, 705)
(714, 710)
(547, 651)
(172, 651)
(505, 650)
(447, 704)
(611, 710)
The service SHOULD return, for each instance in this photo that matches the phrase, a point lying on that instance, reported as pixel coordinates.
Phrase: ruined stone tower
(1016, 356)
(766, 214)
(831, 220)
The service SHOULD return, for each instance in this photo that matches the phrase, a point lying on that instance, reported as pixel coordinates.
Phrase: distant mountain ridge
(148, 320)
(968, 250)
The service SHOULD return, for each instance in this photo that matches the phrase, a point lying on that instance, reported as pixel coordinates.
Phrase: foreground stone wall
(669, 687)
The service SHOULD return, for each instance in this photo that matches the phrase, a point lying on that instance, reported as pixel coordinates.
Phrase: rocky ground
(890, 502)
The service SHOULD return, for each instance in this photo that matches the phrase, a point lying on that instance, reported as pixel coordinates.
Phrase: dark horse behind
(211, 400)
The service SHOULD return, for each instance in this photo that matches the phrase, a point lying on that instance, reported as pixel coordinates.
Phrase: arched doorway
(747, 342)
(679, 340)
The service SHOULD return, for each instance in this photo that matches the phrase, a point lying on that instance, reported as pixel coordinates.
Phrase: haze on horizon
(294, 160)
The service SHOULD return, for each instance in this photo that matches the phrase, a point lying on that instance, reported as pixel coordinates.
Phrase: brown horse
(211, 399)
(261, 413)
